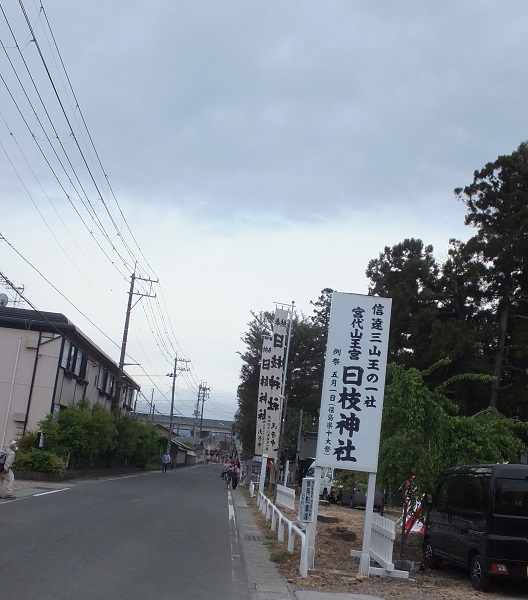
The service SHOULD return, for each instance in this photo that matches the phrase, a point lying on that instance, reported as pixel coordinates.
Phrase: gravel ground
(335, 571)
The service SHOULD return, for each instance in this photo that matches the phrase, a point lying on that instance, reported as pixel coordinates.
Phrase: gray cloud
(229, 109)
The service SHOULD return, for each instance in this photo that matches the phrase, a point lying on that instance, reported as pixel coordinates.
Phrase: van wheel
(480, 579)
(429, 558)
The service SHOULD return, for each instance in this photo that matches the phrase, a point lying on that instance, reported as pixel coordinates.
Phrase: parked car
(478, 518)
(355, 497)
(325, 483)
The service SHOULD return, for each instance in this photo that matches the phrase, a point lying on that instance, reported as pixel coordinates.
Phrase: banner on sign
(270, 398)
(354, 382)
(260, 434)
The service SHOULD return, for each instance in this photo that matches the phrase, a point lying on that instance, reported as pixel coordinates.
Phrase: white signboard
(307, 499)
(260, 434)
(354, 382)
(269, 405)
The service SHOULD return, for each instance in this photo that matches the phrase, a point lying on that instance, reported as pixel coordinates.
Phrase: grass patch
(280, 556)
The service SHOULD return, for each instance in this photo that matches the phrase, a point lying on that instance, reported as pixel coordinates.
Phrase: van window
(468, 493)
(511, 497)
(440, 498)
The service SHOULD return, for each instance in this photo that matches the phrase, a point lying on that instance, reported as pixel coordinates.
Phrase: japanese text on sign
(269, 404)
(354, 382)
(307, 499)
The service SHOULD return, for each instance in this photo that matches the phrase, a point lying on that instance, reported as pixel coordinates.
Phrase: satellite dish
(3, 300)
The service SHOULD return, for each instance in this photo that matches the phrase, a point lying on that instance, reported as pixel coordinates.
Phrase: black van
(478, 518)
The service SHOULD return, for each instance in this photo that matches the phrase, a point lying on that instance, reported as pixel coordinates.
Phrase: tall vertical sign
(260, 436)
(270, 395)
(354, 382)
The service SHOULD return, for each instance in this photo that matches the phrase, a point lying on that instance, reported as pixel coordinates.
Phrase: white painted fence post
(280, 529)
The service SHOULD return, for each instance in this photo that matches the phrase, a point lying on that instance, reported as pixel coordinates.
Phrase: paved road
(146, 536)
(152, 535)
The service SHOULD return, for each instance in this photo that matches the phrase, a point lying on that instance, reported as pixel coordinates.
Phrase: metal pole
(284, 401)
(284, 406)
(287, 350)
(297, 453)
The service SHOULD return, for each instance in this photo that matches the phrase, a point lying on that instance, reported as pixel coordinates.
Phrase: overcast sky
(247, 153)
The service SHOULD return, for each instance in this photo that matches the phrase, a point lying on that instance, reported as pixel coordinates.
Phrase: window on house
(65, 359)
(78, 367)
(73, 359)
(103, 377)
(109, 384)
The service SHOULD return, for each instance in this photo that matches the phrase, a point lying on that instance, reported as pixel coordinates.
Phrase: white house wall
(46, 372)
(15, 401)
(15, 381)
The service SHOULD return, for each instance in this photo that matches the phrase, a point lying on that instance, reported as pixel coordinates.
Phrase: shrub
(27, 441)
(153, 464)
(41, 461)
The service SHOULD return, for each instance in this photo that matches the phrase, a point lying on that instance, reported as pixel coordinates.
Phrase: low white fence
(383, 534)
(279, 522)
(286, 497)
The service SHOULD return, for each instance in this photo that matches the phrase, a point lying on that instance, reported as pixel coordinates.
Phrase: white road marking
(233, 538)
(50, 492)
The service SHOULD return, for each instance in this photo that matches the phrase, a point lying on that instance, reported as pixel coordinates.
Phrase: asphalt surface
(165, 536)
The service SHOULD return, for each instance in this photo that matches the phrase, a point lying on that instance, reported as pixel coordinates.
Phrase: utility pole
(202, 389)
(205, 390)
(174, 374)
(116, 402)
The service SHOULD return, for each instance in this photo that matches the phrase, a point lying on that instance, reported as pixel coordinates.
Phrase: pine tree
(497, 203)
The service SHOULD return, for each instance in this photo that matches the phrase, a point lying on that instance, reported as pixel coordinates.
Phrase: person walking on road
(165, 461)
(235, 474)
(7, 472)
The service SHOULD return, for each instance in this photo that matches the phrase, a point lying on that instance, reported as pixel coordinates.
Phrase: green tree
(438, 311)
(422, 434)
(304, 375)
(137, 442)
(497, 204)
(247, 392)
(407, 273)
(323, 305)
(85, 433)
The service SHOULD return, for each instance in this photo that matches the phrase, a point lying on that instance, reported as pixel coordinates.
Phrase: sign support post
(364, 563)
(311, 528)
(263, 467)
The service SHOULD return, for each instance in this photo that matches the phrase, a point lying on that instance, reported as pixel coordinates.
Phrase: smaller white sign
(306, 502)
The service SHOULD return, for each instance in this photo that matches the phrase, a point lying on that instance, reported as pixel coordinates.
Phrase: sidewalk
(23, 487)
(265, 581)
